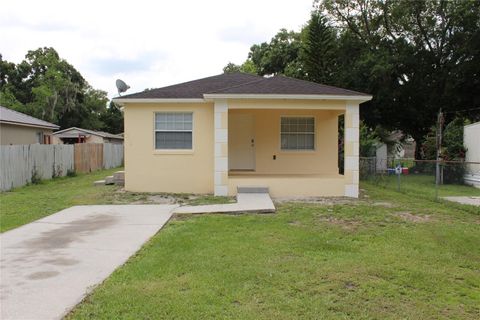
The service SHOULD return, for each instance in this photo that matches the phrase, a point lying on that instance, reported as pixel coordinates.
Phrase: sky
(148, 44)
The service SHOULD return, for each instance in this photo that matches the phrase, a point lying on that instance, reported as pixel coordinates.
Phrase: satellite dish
(121, 86)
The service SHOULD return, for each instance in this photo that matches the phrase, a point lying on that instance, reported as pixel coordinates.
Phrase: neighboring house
(398, 147)
(78, 135)
(215, 134)
(471, 134)
(19, 128)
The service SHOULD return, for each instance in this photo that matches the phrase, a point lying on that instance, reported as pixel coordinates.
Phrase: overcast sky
(145, 43)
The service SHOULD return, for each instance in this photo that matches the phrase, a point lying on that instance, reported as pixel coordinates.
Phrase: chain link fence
(425, 178)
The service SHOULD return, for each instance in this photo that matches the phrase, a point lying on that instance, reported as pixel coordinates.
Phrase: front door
(241, 142)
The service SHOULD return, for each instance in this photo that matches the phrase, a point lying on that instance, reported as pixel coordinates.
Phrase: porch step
(252, 189)
(119, 178)
(109, 180)
(99, 183)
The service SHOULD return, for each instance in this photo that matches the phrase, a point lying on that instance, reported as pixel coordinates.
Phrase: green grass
(35, 201)
(32, 202)
(389, 256)
(422, 186)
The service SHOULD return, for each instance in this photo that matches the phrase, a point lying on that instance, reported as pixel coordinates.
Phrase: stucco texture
(203, 169)
(150, 170)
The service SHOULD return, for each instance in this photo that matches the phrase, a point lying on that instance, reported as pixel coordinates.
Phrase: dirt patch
(316, 200)
(384, 204)
(343, 223)
(295, 223)
(408, 216)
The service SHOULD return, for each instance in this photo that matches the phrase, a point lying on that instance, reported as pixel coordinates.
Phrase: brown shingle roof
(14, 117)
(196, 88)
(286, 85)
(241, 83)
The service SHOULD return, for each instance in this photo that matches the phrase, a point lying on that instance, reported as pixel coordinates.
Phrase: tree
(318, 50)
(278, 55)
(47, 87)
(413, 56)
(112, 119)
(246, 67)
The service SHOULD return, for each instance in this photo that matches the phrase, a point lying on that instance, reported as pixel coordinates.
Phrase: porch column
(352, 146)
(221, 148)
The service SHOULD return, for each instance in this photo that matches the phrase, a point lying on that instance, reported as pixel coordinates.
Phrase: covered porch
(289, 146)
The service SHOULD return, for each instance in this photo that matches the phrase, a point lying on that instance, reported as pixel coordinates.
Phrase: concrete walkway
(48, 266)
(474, 201)
(246, 202)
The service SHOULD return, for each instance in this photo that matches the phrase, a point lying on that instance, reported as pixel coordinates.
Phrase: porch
(285, 185)
(291, 147)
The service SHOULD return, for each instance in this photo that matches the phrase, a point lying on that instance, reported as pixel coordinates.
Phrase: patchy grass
(388, 256)
(35, 201)
(422, 186)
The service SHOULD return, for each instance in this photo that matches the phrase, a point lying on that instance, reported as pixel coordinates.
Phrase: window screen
(297, 133)
(173, 130)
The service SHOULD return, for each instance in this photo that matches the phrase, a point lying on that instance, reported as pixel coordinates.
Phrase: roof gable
(74, 132)
(17, 118)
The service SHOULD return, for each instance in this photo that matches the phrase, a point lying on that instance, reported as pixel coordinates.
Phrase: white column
(221, 148)
(352, 146)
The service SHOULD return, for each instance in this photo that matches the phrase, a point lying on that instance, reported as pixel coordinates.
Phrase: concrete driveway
(48, 266)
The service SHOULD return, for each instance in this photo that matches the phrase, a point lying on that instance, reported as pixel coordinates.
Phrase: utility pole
(439, 147)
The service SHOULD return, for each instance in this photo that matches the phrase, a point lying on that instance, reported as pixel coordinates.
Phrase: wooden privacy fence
(20, 164)
(88, 157)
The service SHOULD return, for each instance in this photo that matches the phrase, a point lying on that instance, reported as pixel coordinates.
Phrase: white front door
(241, 142)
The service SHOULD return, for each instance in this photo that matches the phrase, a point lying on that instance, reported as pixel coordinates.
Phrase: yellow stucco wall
(13, 134)
(323, 160)
(291, 185)
(292, 173)
(149, 170)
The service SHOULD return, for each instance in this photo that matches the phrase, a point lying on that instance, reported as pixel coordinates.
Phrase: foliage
(318, 50)
(47, 87)
(414, 57)
(368, 141)
(452, 149)
(246, 67)
(112, 119)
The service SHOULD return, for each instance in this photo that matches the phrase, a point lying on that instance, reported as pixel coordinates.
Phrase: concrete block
(109, 180)
(252, 189)
(99, 183)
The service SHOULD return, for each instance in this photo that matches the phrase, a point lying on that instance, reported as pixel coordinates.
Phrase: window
(297, 133)
(39, 137)
(173, 130)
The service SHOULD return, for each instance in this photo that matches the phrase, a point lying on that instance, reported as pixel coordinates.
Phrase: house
(215, 134)
(78, 135)
(471, 133)
(397, 146)
(19, 128)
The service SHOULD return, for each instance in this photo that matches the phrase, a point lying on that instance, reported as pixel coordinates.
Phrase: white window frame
(314, 133)
(160, 151)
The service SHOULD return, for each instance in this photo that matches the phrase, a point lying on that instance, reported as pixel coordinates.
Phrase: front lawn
(388, 256)
(35, 201)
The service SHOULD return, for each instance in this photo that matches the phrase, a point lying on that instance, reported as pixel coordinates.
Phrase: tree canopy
(414, 57)
(46, 86)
